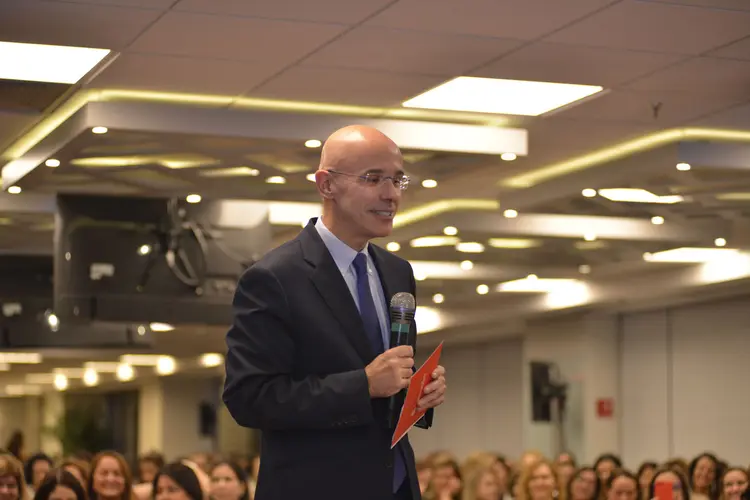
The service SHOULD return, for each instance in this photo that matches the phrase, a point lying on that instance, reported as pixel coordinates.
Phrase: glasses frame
(401, 184)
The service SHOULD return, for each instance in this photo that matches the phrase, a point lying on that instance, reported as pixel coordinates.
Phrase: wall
(483, 406)
(684, 374)
(169, 415)
(557, 341)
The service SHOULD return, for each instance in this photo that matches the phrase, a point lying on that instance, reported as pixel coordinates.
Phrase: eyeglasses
(401, 181)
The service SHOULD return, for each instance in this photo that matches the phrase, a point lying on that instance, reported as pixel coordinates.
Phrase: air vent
(18, 96)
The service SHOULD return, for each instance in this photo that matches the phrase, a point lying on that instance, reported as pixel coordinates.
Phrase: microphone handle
(399, 337)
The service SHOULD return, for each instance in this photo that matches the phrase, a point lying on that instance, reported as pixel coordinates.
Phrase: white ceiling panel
(13, 125)
(551, 62)
(701, 74)
(184, 74)
(142, 4)
(525, 20)
(233, 38)
(84, 25)
(737, 50)
(403, 51)
(634, 106)
(345, 86)
(715, 4)
(658, 27)
(326, 11)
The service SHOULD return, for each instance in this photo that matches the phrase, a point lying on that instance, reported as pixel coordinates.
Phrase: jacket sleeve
(260, 390)
(426, 421)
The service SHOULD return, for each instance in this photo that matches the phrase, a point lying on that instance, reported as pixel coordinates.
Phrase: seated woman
(60, 484)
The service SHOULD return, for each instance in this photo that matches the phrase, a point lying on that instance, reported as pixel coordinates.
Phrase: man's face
(367, 207)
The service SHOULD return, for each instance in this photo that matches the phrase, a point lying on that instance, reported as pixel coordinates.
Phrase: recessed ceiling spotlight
(393, 246)
(532, 277)
(438, 298)
(100, 130)
(584, 269)
(310, 177)
(510, 213)
(589, 193)
(466, 265)
(52, 163)
(589, 237)
(312, 143)
(683, 167)
(657, 220)
(720, 242)
(483, 289)
(450, 231)
(14, 189)
(429, 183)
(193, 198)
(508, 156)
(276, 179)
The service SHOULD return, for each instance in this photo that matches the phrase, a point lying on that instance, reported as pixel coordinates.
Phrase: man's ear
(325, 186)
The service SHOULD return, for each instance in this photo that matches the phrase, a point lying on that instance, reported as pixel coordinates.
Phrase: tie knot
(360, 264)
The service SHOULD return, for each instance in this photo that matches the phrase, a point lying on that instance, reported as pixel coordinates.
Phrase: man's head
(360, 180)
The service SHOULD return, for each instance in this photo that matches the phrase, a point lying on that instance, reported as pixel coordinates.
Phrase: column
(52, 411)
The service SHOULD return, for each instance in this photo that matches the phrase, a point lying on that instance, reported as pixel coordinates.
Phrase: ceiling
(214, 97)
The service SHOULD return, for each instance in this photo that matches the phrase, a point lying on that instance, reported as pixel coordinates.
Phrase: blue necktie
(372, 327)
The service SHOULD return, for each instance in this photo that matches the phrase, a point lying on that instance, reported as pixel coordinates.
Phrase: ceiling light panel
(691, 255)
(631, 195)
(47, 63)
(498, 96)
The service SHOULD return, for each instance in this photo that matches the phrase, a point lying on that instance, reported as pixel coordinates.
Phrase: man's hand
(434, 392)
(390, 372)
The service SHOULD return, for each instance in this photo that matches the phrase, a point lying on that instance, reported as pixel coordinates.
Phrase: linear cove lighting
(517, 243)
(631, 195)
(534, 284)
(507, 97)
(691, 255)
(47, 63)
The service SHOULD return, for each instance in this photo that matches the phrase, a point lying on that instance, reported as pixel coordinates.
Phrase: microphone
(403, 307)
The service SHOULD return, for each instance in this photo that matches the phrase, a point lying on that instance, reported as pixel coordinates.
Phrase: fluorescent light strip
(499, 96)
(47, 63)
(691, 255)
(631, 195)
(546, 285)
(621, 150)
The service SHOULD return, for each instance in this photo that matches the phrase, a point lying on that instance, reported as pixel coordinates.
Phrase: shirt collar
(343, 255)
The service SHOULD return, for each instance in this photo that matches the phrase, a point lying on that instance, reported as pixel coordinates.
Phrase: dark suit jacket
(295, 370)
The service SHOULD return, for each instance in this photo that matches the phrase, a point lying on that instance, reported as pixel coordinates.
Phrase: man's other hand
(434, 392)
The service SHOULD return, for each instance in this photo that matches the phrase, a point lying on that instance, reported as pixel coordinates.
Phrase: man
(308, 359)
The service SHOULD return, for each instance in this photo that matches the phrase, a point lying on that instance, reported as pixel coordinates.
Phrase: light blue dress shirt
(343, 255)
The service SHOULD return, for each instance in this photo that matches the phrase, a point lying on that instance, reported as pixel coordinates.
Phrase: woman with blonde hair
(481, 483)
(12, 483)
(538, 481)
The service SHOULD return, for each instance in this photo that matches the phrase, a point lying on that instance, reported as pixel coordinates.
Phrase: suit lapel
(329, 283)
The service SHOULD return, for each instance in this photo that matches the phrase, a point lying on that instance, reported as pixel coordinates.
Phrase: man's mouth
(384, 213)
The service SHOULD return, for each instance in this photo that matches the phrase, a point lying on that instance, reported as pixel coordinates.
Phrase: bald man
(308, 359)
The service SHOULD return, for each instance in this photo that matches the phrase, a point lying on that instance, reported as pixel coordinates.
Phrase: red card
(409, 414)
(663, 490)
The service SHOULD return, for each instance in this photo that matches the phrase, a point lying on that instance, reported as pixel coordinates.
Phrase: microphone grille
(403, 300)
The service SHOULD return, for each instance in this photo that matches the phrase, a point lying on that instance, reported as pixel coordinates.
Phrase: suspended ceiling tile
(185, 74)
(553, 62)
(234, 38)
(524, 20)
(657, 27)
(325, 11)
(78, 24)
(344, 86)
(403, 51)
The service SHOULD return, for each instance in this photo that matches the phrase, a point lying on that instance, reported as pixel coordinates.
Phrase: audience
(481, 475)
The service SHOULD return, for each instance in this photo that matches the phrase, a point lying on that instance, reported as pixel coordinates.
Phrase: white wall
(684, 382)
(169, 416)
(483, 404)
